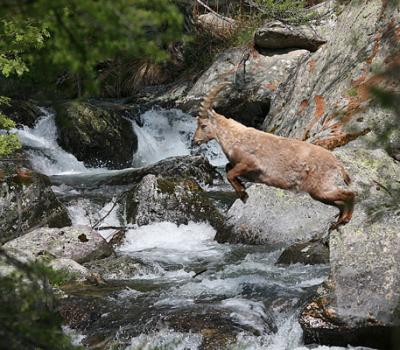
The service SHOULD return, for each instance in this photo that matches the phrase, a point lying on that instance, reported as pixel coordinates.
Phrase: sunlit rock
(79, 243)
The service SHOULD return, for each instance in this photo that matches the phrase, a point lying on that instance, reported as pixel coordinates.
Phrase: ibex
(275, 161)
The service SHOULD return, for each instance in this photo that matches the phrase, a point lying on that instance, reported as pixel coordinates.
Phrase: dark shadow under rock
(309, 253)
(322, 325)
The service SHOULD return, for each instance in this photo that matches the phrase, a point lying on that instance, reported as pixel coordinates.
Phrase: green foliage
(204, 46)
(80, 34)
(18, 40)
(9, 143)
(289, 11)
(27, 317)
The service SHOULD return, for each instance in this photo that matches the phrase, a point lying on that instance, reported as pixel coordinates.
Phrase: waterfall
(168, 133)
(45, 154)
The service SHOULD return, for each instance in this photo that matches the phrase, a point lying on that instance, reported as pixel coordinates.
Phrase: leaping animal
(276, 161)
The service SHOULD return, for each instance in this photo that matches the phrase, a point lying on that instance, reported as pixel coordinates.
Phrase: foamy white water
(167, 133)
(239, 282)
(44, 152)
(168, 242)
(166, 339)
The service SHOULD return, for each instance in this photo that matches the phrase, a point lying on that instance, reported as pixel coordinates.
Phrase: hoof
(244, 197)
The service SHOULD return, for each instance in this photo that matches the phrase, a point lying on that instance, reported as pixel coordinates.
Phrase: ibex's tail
(208, 100)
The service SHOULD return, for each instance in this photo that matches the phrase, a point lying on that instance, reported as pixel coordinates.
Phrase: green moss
(352, 92)
(166, 185)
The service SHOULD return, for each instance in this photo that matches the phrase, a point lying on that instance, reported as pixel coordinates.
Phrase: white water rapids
(240, 282)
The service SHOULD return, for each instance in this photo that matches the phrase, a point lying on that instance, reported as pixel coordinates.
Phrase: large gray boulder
(278, 35)
(327, 98)
(177, 200)
(254, 77)
(360, 304)
(27, 201)
(96, 135)
(79, 243)
(277, 217)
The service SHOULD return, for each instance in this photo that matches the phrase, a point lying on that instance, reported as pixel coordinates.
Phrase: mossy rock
(178, 200)
(96, 135)
(27, 201)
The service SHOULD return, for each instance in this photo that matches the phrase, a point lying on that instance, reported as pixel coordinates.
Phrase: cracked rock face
(327, 99)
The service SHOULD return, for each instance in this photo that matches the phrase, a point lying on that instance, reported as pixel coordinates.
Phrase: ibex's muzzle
(196, 142)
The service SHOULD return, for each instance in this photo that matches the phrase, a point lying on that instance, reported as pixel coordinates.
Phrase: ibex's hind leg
(341, 199)
(233, 172)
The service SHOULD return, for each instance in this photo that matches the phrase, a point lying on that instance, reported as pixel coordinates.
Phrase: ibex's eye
(203, 126)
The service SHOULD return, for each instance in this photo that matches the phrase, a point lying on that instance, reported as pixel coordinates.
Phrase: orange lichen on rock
(270, 86)
(319, 106)
(303, 105)
(311, 65)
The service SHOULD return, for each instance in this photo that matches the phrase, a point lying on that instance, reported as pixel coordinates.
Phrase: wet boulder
(277, 217)
(27, 201)
(79, 243)
(278, 35)
(96, 135)
(177, 200)
(255, 78)
(72, 269)
(196, 167)
(119, 268)
(315, 251)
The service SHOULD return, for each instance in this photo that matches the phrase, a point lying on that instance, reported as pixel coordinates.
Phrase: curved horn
(208, 101)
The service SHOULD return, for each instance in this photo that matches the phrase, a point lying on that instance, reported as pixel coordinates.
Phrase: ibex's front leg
(233, 172)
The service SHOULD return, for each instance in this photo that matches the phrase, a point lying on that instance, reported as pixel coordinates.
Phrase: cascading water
(239, 293)
(167, 133)
(44, 152)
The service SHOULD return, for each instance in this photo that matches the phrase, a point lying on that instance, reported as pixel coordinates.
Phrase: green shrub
(28, 319)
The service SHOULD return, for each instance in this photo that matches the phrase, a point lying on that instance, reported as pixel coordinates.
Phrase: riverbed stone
(119, 268)
(279, 35)
(177, 200)
(27, 201)
(196, 167)
(79, 243)
(96, 135)
(74, 270)
(315, 251)
(276, 217)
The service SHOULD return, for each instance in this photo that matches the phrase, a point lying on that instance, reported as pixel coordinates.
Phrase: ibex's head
(205, 127)
(204, 132)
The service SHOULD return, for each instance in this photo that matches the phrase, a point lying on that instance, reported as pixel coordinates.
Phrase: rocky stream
(160, 252)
